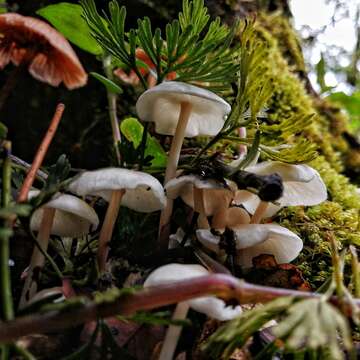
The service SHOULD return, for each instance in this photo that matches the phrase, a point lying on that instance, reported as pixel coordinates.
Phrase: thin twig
(24, 165)
(224, 286)
(7, 308)
(7, 305)
(39, 157)
(112, 104)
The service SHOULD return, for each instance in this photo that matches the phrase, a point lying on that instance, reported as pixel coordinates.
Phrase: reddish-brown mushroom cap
(49, 55)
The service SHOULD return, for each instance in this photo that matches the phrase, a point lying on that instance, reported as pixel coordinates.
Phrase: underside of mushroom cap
(161, 104)
(52, 58)
(213, 198)
(256, 239)
(230, 218)
(73, 216)
(211, 306)
(303, 186)
(143, 192)
(180, 185)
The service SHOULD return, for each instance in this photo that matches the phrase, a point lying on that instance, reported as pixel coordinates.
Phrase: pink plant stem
(37, 258)
(224, 286)
(40, 155)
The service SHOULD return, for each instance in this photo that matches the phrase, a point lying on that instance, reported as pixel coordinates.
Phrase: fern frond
(194, 48)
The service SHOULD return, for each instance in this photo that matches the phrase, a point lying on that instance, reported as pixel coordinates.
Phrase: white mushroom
(302, 186)
(205, 196)
(136, 190)
(64, 215)
(211, 306)
(256, 239)
(181, 110)
(73, 216)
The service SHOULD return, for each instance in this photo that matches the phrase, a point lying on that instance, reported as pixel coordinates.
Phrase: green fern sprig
(195, 48)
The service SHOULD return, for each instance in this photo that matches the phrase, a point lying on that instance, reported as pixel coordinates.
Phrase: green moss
(340, 213)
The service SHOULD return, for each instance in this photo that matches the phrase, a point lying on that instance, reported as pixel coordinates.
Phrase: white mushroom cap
(144, 193)
(161, 104)
(256, 239)
(73, 216)
(302, 186)
(211, 306)
(213, 192)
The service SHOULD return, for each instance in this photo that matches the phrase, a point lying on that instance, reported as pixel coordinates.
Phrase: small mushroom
(205, 196)
(136, 190)
(252, 240)
(66, 216)
(211, 306)
(181, 110)
(31, 42)
(302, 186)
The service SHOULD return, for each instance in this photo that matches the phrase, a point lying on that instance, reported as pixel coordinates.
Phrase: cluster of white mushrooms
(182, 110)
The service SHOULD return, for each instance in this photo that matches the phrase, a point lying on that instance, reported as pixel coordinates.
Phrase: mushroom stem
(219, 220)
(259, 212)
(200, 208)
(173, 333)
(108, 227)
(37, 258)
(112, 103)
(177, 141)
(242, 147)
(171, 167)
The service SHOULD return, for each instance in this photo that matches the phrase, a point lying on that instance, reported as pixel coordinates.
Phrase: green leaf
(235, 333)
(3, 131)
(157, 318)
(17, 209)
(320, 72)
(110, 85)
(3, 7)
(67, 18)
(315, 324)
(351, 103)
(133, 130)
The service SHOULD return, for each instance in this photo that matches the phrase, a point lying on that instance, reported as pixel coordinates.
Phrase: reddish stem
(40, 154)
(221, 285)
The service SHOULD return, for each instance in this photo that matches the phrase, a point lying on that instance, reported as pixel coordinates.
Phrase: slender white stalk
(177, 141)
(37, 259)
(108, 228)
(173, 333)
(202, 221)
(172, 164)
(259, 212)
(112, 103)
